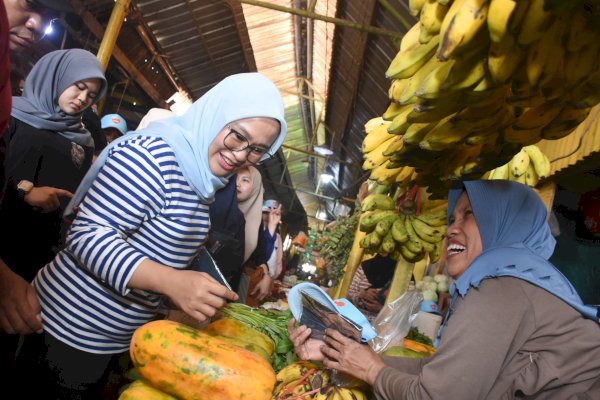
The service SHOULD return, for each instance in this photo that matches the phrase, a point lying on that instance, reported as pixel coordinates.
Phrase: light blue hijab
(516, 240)
(246, 95)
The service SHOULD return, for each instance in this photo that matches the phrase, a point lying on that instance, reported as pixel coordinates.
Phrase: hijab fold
(246, 95)
(48, 79)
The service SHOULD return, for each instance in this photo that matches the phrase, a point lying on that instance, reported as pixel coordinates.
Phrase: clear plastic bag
(394, 320)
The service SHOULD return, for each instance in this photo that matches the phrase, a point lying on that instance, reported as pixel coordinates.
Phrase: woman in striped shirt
(142, 218)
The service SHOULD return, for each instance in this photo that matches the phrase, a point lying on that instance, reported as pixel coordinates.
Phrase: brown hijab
(252, 210)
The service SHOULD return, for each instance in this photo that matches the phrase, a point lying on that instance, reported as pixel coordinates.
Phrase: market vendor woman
(516, 327)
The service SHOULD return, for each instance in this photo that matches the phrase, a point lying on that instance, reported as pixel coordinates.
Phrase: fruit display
(528, 166)
(430, 286)
(336, 247)
(403, 227)
(476, 80)
(189, 364)
(312, 381)
(140, 390)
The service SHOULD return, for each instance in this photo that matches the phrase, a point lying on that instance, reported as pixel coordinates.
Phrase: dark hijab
(50, 76)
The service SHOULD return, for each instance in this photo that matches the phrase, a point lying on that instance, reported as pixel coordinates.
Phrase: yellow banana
(536, 117)
(427, 233)
(393, 109)
(580, 65)
(545, 55)
(500, 172)
(400, 124)
(538, 160)
(564, 123)
(383, 174)
(531, 177)
(430, 19)
(396, 145)
(398, 230)
(373, 124)
(504, 57)
(375, 157)
(416, 132)
(409, 94)
(521, 136)
(375, 137)
(411, 38)
(430, 87)
(396, 88)
(583, 31)
(465, 75)
(535, 22)
(422, 113)
(443, 135)
(517, 166)
(405, 174)
(294, 371)
(415, 6)
(463, 21)
(499, 17)
(376, 201)
(408, 62)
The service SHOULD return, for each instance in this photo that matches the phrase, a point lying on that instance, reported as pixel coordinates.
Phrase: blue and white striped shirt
(140, 206)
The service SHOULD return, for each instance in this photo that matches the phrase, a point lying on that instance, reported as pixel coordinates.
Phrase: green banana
(436, 253)
(368, 221)
(435, 217)
(388, 245)
(414, 243)
(399, 230)
(426, 232)
(384, 226)
(375, 201)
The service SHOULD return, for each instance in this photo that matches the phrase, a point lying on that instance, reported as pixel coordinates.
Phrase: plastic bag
(394, 320)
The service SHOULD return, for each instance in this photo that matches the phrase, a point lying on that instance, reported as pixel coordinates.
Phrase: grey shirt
(506, 339)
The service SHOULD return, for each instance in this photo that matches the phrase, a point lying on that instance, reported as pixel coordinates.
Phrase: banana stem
(390, 8)
(354, 259)
(401, 279)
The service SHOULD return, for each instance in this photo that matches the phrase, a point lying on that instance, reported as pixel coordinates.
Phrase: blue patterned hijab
(516, 240)
(246, 95)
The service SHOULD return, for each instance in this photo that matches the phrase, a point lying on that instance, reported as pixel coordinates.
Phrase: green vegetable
(336, 248)
(417, 336)
(270, 322)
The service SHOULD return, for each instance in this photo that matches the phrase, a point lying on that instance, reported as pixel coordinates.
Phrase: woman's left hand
(349, 356)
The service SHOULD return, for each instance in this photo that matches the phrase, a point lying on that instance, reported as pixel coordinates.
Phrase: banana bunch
(405, 233)
(528, 166)
(475, 80)
(311, 380)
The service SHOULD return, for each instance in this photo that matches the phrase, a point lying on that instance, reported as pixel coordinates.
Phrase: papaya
(140, 390)
(238, 330)
(191, 365)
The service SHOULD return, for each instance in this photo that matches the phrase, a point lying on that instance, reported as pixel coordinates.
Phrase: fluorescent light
(326, 178)
(48, 29)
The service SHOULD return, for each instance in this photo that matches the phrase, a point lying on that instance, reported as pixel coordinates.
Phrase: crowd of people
(115, 219)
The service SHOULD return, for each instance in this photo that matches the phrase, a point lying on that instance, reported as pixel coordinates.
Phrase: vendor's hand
(348, 356)
(370, 299)
(262, 288)
(198, 294)
(19, 305)
(46, 198)
(305, 347)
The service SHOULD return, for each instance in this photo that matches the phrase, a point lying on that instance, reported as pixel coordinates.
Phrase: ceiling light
(324, 151)
(326, 178)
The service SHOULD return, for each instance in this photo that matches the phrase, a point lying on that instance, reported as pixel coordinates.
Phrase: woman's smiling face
(463, 238)
(260, 133)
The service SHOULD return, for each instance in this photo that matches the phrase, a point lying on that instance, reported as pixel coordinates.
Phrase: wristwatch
(23, 188)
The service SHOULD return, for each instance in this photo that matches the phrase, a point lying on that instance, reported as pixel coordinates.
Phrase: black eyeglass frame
(264, 157)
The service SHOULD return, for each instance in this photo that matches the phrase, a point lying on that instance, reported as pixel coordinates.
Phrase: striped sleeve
(129, 190)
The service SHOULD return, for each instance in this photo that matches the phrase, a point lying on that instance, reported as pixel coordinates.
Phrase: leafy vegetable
(417, 336)
(270, 322)
(336, 248)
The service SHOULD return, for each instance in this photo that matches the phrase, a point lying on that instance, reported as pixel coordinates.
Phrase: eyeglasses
(235, 141)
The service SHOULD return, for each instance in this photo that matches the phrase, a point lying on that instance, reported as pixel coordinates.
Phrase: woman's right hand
(198, 294)
(305, 347)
